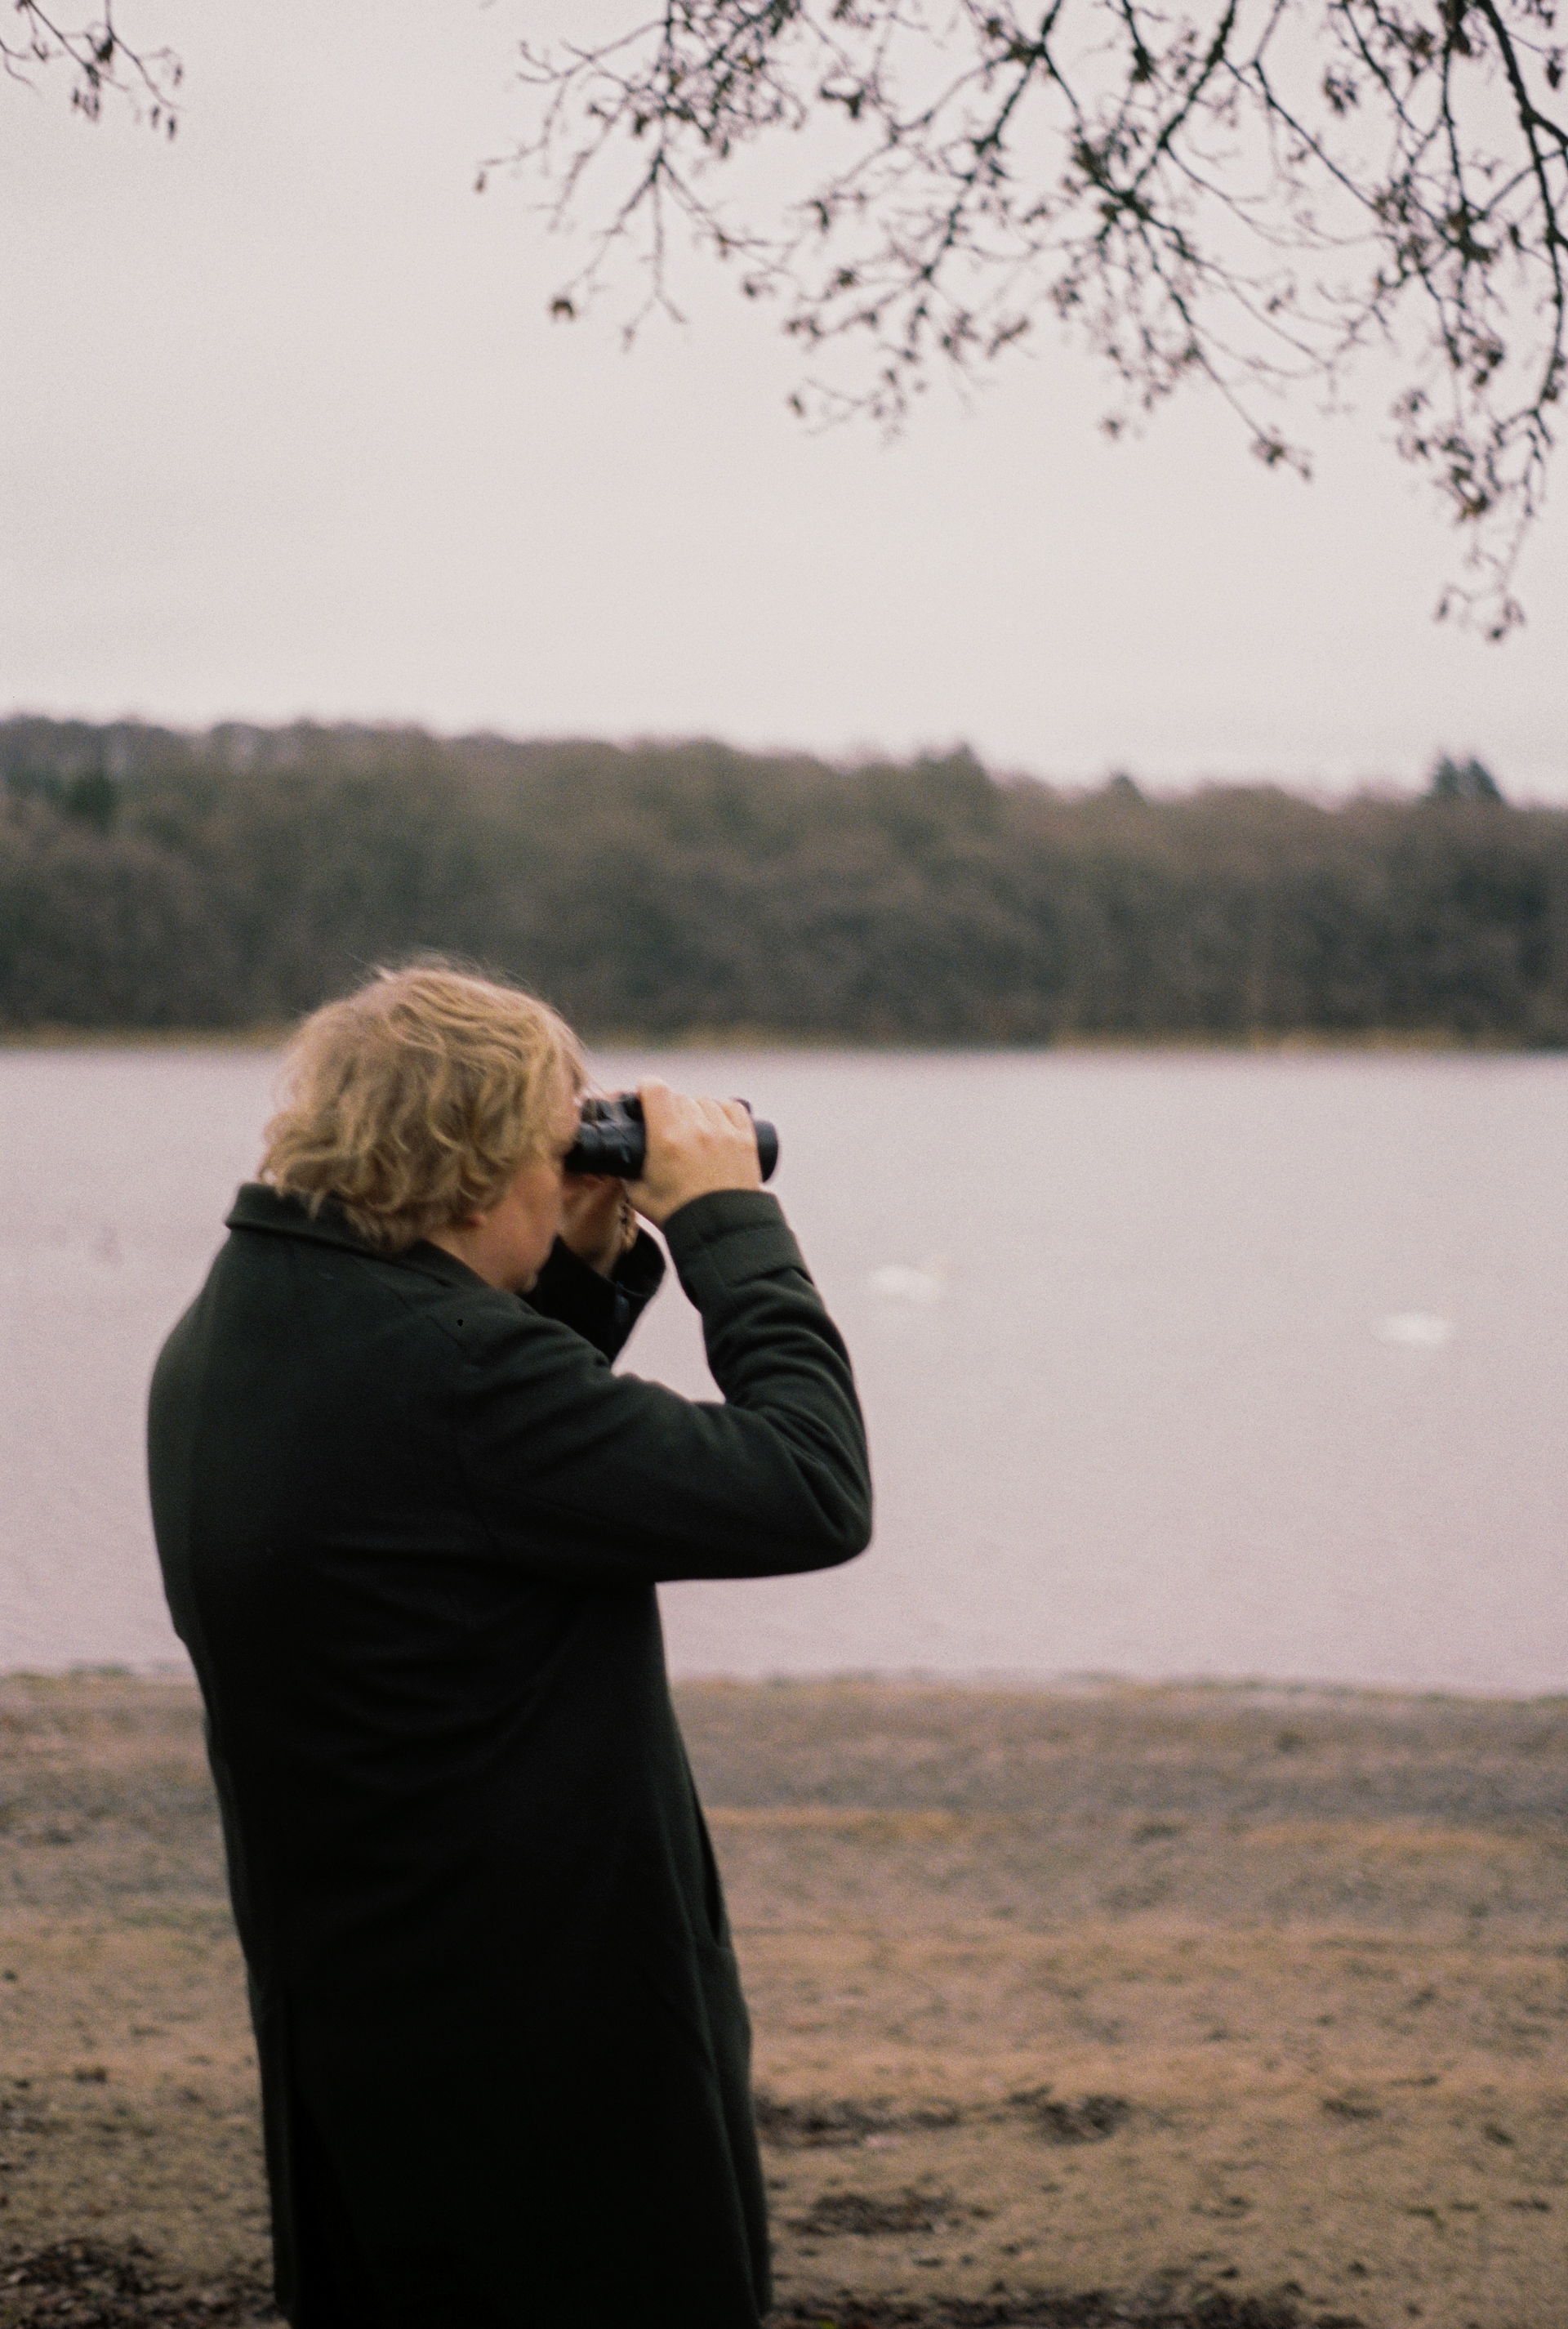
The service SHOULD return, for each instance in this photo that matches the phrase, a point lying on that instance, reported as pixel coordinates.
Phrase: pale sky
(286, 432)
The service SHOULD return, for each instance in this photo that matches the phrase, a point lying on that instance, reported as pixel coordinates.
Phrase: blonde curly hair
(414, 1102)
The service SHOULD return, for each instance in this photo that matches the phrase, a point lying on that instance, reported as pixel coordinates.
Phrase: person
(411, 1524)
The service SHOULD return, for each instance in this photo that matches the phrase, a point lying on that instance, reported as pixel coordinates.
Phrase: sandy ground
(1229, 2007)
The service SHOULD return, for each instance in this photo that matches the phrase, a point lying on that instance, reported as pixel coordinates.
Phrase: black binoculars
(611, 1139)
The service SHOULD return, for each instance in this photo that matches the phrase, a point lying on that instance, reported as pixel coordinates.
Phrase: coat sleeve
(604, 1310)
(599, 1479)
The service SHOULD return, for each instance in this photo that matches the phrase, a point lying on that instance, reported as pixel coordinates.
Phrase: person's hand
(597, 1222)
(695, 1147)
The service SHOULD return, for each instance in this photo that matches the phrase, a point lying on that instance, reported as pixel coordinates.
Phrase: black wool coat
(410, 1530)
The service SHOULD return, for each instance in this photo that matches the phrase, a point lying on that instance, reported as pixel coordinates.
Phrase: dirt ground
(1238, 2008)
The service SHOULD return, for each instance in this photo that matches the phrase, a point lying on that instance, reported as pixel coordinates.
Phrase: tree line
(151, 878)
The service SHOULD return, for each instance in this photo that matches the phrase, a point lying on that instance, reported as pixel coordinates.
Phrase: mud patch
(89, 2285)
(877, 2214)
(1353, 2106)
(1091, 2120)
(1091, 2309)
(820, 2125)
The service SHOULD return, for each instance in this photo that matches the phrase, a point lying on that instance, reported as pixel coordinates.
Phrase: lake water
(1176, 1365)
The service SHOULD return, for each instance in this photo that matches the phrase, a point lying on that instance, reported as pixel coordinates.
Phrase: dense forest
(151, 878)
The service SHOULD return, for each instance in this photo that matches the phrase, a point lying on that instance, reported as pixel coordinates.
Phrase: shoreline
(1392, 1700)
(1211, 2008)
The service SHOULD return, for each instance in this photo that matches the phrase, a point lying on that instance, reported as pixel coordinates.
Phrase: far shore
(1295, 1043)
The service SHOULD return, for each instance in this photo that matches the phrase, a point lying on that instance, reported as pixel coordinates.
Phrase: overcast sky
(286, 432)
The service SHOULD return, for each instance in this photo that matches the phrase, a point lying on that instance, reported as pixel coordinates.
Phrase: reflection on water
(1175, 1364)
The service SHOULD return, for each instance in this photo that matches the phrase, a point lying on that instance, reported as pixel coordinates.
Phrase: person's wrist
(709, 1189)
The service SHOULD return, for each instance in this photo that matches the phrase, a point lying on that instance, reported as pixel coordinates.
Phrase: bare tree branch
(95, 58)
(1252, 194)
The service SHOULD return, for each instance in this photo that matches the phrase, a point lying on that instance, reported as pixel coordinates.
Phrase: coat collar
(283, 1214)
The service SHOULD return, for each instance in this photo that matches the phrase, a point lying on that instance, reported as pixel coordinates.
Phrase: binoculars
(611, 1139)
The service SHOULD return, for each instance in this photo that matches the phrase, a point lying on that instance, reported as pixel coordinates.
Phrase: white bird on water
(1414, 1330)
(899, 1281)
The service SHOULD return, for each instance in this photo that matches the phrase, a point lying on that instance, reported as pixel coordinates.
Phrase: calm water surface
(1175, 1365)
